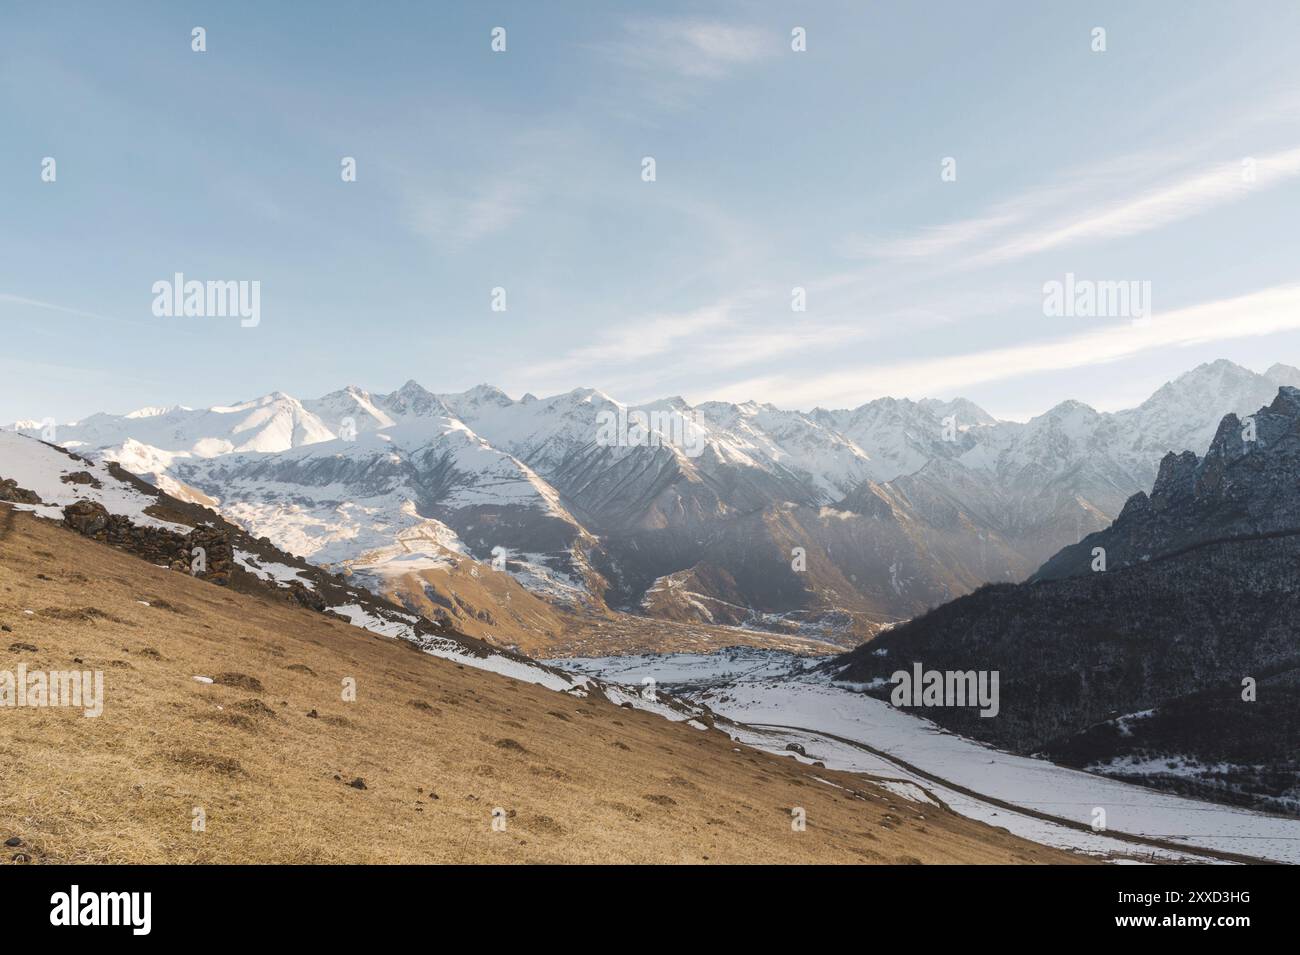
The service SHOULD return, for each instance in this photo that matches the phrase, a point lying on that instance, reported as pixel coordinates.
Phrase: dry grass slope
(271, 752)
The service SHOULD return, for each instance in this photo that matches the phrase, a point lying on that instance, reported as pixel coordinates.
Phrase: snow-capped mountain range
(832, 521)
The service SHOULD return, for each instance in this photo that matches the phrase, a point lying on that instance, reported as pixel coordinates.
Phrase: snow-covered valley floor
(774, 700)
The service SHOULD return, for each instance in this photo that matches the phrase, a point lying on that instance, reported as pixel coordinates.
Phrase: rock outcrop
(205, 551)
(12, 493)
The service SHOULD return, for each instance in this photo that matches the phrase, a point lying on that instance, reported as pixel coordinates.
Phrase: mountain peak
(1070, 408)
(271, 398)
(413, 399)
(1219, 364)
(1287, 402)
(487, 394)
(591, 395)
(675, 402)
(1281, 374)
(347, 391)
(1219, 372)
(151, 412)
(963, 409)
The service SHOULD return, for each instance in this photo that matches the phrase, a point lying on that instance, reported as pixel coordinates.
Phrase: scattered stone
(358, 783)
(306, 596)
(796, 748)
(22, 648)
(82, 477)
(200, 679)
(312, 714)
(13, 842)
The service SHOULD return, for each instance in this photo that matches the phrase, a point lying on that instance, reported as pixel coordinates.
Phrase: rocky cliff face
(1246, 485)
(1179, 662)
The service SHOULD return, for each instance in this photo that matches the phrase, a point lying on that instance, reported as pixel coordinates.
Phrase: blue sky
(522, 169)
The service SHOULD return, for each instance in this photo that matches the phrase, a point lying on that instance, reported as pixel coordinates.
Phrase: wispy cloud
(19, 301)
(932, 240)
(1090, 209)
(1154, 208)
(636, 341)
(51, 306)
(453, 220)
(690, 47)
(1253, 315)
(699, 345)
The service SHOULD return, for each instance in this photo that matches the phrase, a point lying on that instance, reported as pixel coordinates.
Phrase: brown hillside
(270, 751)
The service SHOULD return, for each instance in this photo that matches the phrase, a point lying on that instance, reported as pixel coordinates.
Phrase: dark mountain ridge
(1163, 649)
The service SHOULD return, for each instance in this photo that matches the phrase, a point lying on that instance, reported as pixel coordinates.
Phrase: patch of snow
(447, 649)
(271, 570)
(40, 468)
(776, 693)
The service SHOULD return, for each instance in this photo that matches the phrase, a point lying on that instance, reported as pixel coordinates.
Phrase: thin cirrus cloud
(697, 345)
(689, 47)
(932, 240)
(21, 302)
(1255, 314)
(1153, 208)
(454, 221)
(636, 341)
(6, 298)
(1158, 207)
